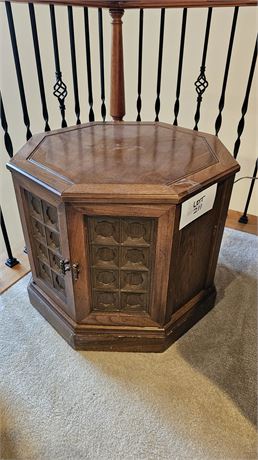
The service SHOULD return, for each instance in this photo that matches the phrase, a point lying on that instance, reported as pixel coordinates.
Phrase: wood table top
(156, 156)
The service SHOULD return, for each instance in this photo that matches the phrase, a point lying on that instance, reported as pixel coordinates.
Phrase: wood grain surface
(146, 162)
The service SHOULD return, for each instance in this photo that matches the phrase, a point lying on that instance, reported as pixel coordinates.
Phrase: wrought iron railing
(60, 88)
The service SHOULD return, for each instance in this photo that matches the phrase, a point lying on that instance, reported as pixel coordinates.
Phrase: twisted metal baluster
(180, 65)
(241, 123)
(88, 61)
(11, 261)
(201, 83)
(224, 85)
(38, 64)
(18, 69)
(102, 69)
(161, 40)
(244, 218)
(139, 87)
(7, 138)
(74, 64)
(60, 89)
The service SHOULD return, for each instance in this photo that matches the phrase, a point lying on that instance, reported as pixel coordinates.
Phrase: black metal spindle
(18, 69)
(241, 123)
(74, 65)
(102, 69)
(201, 83)
(88, 61)
(7, 138)
(11, 261)
(244, 218)
(139, 86)
(225, 79)
(180, 65)
(38, 64)
(161, 40)
(60, 89)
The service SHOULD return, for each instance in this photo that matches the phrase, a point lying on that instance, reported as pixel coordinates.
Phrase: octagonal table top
(122, 158)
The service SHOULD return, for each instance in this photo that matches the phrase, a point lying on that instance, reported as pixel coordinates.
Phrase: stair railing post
(117, 91)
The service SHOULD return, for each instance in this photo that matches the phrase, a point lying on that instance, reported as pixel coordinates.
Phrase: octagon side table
(122, 240)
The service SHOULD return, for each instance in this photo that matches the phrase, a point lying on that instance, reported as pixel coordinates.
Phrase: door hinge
(64, 266)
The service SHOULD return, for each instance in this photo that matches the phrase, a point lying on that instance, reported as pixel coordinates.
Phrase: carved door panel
(48, 247)
(119, 250)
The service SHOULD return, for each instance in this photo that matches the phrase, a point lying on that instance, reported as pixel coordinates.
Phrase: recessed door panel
(122, 253)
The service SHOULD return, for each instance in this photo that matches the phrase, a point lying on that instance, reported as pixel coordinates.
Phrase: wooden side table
(123, 224)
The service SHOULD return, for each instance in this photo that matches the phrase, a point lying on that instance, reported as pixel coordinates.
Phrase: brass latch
(65, 266)
(75, 271)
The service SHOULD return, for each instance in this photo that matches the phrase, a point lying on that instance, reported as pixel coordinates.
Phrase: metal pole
(244, 218)
(11, 261)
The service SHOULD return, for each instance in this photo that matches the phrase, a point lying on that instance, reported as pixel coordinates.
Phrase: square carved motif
(121, 258)
(46, 242)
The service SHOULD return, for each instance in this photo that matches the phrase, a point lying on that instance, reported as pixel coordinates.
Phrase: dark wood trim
(129, 4)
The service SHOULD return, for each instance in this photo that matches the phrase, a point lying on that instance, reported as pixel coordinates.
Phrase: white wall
(219, 36)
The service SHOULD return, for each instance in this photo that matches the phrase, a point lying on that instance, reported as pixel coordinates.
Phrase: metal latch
(75, 271)
(65, 266)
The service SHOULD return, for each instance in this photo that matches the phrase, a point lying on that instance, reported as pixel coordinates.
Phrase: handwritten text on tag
(198, 205)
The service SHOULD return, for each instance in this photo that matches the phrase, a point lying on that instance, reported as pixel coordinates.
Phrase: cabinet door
(120, 252)
(46, 239)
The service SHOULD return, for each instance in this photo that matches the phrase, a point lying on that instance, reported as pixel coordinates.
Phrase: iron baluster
(244, 218)
(224, 85)
(161, 40)
(88, 61)
(60, 89)
(38, 64)
(139, 87)
(18, 69)
(11, 261)
(102, 69)
(74, 64)
(241, 123)
(201, 83)
(180, 65)
(7, 138)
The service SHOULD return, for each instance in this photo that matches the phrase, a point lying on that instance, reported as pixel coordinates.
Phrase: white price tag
(197, 205)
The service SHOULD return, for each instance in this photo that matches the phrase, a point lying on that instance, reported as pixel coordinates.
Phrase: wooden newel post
(117, 91)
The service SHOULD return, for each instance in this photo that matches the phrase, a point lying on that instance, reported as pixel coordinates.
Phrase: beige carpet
(195, 401)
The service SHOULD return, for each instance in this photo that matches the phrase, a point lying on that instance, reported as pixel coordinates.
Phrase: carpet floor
(197, 400)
